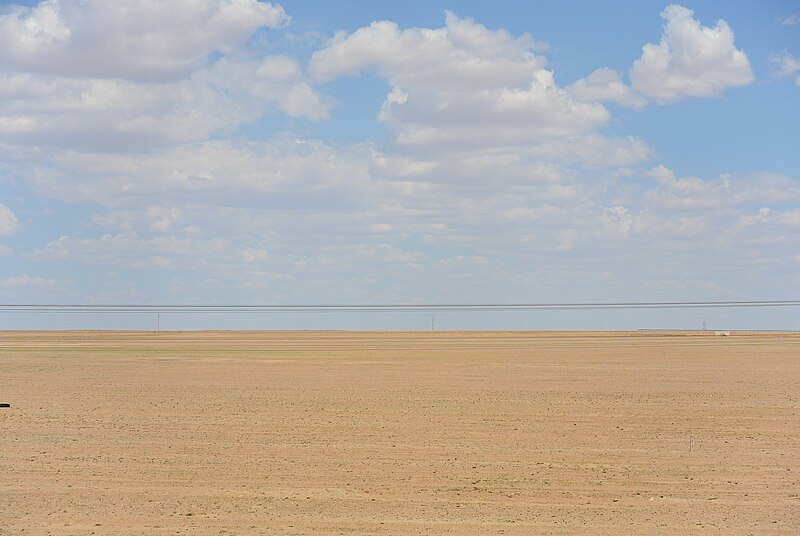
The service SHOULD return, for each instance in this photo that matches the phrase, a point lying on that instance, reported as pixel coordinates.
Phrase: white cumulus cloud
(606, 85)
(128, 39)
(118, 115)
(496, 178)
(131, 75)
(463, 86)
(690, 60)
(695, 194)
(462, 55)
(281, 172)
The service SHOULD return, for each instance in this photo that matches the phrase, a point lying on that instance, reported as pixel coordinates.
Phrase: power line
(320, 308)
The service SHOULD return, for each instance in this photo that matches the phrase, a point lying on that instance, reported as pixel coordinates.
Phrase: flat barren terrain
(399, 433)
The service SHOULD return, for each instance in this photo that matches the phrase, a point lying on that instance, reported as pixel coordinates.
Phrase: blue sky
(371, 152)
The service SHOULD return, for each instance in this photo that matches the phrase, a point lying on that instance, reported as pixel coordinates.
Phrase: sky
(368, 152)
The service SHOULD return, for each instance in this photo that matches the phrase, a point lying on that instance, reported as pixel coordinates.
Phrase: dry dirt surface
(399, 433)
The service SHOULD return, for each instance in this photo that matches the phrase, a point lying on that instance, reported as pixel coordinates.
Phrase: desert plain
(399, 433)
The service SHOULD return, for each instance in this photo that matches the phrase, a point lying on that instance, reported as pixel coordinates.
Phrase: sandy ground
(399, 433)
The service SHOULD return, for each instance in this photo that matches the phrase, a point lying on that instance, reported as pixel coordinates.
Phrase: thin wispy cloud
(791, 20)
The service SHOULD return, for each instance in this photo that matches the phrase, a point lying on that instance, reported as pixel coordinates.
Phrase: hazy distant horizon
(778, 319)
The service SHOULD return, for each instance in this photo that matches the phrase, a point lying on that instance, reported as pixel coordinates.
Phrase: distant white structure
(722, 333)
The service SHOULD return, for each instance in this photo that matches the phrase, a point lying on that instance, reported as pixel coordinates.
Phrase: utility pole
(158, 321)
(433, 322)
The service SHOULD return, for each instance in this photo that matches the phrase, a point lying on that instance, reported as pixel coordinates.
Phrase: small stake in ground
(691, 443)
